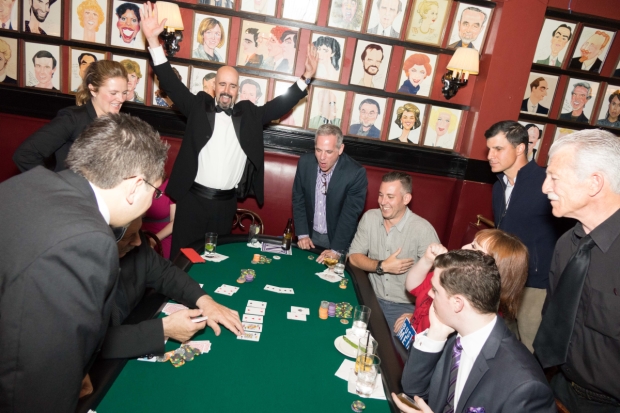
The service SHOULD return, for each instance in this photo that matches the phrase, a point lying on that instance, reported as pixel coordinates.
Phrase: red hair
(420, 60)
(278, 31)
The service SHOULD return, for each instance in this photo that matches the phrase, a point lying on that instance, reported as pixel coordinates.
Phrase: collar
(331, 172)
(505, 179)
(524, 172)
(472, 343)
(401, 223)
(103, 207)
(604, 235)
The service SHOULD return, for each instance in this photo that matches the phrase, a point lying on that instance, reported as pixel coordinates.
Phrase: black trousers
(196, 216)
(576, 403)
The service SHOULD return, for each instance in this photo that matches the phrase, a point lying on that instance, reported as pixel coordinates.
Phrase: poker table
(291, 368)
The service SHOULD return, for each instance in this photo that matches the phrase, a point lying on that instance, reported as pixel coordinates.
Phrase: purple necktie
(454, 372)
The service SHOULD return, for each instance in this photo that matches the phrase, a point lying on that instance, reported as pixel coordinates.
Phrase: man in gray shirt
(387, 243)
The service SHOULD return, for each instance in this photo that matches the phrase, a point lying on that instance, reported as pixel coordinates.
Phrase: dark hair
(570, 31)
(372, 46)
(43, 54)
(370, 102)
(473, 275)
(405, 180)
(51, 2)
(332, 44)
(259, 92)
(254, 32)
(288, 33)
(530, 126)
(616, 94)
(120, 10)
(515, 133)
(80, 57)
(208, 76)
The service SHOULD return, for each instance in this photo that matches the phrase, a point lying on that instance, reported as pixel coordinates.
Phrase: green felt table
(291, 368)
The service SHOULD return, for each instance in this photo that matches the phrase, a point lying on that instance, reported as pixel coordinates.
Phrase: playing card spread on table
(275, 248)
(172, 308)
(215, 257)
(257, 304)
(255, 311)
(226, 289)
(249, 336)
(249, 318)
(203, 345)
(287, 291)
(300, 310)
(296, 316)
(252, 327)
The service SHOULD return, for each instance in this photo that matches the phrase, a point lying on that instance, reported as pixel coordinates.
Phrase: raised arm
(420, 269)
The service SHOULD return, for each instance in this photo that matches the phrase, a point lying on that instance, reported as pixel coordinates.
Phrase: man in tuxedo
(590, 51)
(222, 154)
(388, 10)
(59, 264)
(328, 193)
(483, 367)
(538, 91)
(579, 331)
(470, 25)
(559, 40)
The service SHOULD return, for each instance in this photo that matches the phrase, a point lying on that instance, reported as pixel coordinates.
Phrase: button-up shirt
(320, 199)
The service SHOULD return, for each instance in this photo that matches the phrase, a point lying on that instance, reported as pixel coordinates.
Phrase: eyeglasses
(158, 192)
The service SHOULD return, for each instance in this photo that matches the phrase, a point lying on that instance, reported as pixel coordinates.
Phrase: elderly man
(328, 193)
(470, 25)
(369, 111)
(559, 40)
(388, 10)
(371, 57)
(222, 155)
(582, 92)
(538, 91)
(6, 12)
(579, 330)
(59, 266)
(590, 51)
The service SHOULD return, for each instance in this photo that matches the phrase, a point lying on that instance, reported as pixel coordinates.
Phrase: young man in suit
(59, 266)
(329, 192)
(222, 154)
(483, 367)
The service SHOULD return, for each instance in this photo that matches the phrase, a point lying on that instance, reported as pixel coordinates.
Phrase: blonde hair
(96, 75)
(90, 5)
(425, 6)
(207, 24)
(131, 66)
(5, 49)
(435, 112)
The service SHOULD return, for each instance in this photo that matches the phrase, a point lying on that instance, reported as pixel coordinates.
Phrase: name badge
(406, 334)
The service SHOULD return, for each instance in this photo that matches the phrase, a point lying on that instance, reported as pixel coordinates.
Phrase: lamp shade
(171, 12)
(464, 60)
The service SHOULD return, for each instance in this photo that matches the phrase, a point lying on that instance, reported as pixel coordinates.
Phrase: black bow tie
(219, 109)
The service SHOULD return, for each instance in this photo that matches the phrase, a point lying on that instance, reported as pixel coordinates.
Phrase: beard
(36, 15)
(228, 105)
(369, 70)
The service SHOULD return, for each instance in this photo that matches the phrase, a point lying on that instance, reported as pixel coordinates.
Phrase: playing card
(252, 327)
(252, 318)
(255, 311)
(300, 310)
(270, 288)
(296, 316)
(172, 308)
(215, 258)
(249, 336)
(275, 248)
(287, 291)
(202, 345)
(224, 291)
(257, 304)
(230, 287)
(200, 319)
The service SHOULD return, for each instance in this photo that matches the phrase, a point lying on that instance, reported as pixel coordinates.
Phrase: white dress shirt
(509, 189)
(103, 207)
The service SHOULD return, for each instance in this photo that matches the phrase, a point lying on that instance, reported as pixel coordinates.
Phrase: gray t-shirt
(412, 233)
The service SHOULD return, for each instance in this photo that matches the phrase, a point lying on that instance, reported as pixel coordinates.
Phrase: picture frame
(347, 14)
(137, 70)
(367, 114)
(555, 40)
(442, 127)
(79, 60)
(303, 11)
(367, 54)
(296, 117)
(576, 105)
(326, 106)
(10, 46)
(12, 23)
(125, 28)
(593, 46)
(385, 18)
(407, 122)
(274, 49)
(226, 4)
(560, 131)
(89, 21)
(539, 94)
(210, 38)
(416, 73)
(427, 22)
(608, 114)
(254, 89)
(330, 51)
(535, 132)
(47, 23)
(616, 72)
(47, 76)
(197, 80)
(470, 30)
(161, 99)
(263, 7)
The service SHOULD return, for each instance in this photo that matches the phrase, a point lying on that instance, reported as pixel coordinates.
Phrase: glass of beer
(331, 259)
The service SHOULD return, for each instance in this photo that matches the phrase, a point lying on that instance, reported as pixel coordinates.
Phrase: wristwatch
(379, 270)
(307, 80)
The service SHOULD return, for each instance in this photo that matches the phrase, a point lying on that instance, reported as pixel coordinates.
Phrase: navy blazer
(540, 109)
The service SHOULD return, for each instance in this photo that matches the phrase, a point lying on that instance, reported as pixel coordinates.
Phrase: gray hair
(596, 150)
(116, 147)
(328, 129)
(584, 85)
(476, 9)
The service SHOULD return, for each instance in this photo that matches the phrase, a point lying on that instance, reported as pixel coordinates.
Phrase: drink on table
(367, 375)
(361, 316)
(342, 259)
(288, 235)
(359, 328)
(210, 243)
(366, 346)
(330, 262)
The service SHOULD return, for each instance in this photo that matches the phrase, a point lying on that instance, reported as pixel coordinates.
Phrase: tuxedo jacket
(576, 64)
(248, 121)
(346, 195)
(504, 378)
(55, 138)
(143, 268)
(540, 109)
(547, 60)
(58, 273)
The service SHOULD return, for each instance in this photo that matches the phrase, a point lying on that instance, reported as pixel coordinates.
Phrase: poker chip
(358, 406)
(276, 257)
(310, 257)
(241, 279)
(344, 310)
(177, 360)
(344, 321)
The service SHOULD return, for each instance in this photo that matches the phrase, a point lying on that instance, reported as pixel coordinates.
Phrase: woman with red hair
(417, 67)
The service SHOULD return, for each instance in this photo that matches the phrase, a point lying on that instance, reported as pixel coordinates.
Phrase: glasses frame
(158, 192)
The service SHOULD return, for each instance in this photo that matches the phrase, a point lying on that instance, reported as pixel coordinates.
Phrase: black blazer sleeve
(418, 372)
(300, 215)
(183, 99)
(354, 199)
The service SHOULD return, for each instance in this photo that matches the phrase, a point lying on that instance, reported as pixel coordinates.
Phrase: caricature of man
(470, 25)
(582, 92)
(250, 46)
(372, 56)
(6, 10)
(249, 89)
(533, 133)
(388, 10)
(328, 110)
(84, 60)
(208, 84)
(44, 68)
(559, 40)
(538, 91)
(279, 48)
(39, 9)
(590, 51)
(369, 110)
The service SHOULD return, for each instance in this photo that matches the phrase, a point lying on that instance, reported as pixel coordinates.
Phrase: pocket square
(476, 410)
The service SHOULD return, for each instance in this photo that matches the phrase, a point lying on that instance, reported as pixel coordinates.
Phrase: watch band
(307, 80)
(379, 269)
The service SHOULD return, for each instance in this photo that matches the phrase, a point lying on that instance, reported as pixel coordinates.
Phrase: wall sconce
(464, 62)
(171, 35)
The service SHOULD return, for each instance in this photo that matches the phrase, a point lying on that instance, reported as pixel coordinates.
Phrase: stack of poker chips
(344, 310)
(261, 259)
(249, 275)
(323, 310)
(331, 310)
(179, 356)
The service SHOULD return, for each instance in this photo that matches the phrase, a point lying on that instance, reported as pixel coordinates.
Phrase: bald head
(226, 86)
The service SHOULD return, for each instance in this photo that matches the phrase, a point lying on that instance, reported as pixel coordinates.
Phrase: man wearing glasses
(328, 194)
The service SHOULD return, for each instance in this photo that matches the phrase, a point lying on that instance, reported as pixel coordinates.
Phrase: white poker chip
(276, 257)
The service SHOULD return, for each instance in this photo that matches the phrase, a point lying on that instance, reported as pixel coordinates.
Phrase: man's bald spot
(226, 71)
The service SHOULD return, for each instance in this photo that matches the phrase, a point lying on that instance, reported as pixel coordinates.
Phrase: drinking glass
(342, 259)
(210, 243)
(366, 346)
(360, 320)
(331, 259)
(367, 375)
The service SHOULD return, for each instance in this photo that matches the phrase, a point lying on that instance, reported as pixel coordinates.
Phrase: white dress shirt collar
(103, 207)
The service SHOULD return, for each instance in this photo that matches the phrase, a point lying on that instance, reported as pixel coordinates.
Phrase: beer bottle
(288, 235)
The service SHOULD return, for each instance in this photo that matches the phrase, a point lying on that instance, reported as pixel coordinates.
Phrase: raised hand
(312, 61)
(150, 25)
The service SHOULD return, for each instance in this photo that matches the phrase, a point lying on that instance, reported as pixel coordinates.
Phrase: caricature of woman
(328, 50)
(417, 67)
(408, 119)
(91, 16)
(210, 36)
(422, 29)
(444, 123)
(612, 119)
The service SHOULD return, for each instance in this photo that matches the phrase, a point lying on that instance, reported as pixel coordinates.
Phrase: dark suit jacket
(58, 273)
(248, 121)
(345, 198)
(505, 377)
(540, 109)
(567, 116)
(576, 64)
(55, 138)
(143, 268)
(372, 133)
(9, 80)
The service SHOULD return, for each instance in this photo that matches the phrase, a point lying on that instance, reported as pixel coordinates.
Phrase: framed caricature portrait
(578, 101)
(159, 97)
(136, 79)
(253, 89)
(9, 19)
(326, 107)
(88, 20)
(616, 73)
(406, 122)
(268, 47)
(470, 26)
(228, 4)
(330, 51)
(538, 94)
(210, 38)
(416, 75)
(265, 7)
(370, 64)
(125, 28)
(39, 17)
(347, 14)
(304, 11)
(367, 115)
(42, 67)
(202, 80)
(386, 18)
(609, 114)
(428, 21)
(79, 60)
(559, 132)
(296, 116)
(555, 39)
(442, 127)
(591, 49)
(9, 53)
(535, 133)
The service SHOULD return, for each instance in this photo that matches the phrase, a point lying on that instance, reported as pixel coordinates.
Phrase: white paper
(377, 393)
(215, 258)
(329, 276)
(345, 369)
